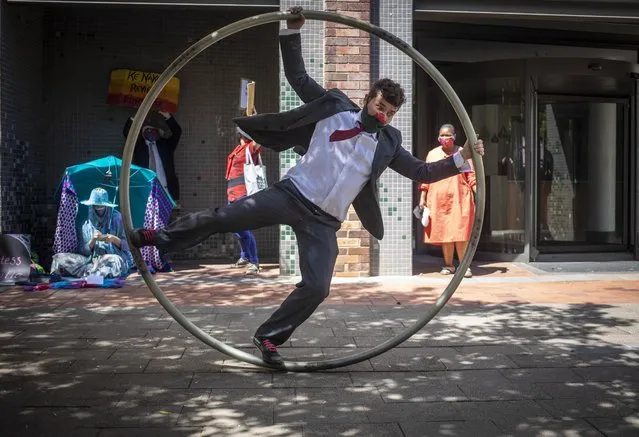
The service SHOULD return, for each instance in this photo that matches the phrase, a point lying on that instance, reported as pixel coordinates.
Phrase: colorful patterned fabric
(77, 265)
(68, 285)
(157, 215)
(66, 239)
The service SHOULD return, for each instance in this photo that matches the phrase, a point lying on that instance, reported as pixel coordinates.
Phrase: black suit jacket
(166, 149)
(294, 128)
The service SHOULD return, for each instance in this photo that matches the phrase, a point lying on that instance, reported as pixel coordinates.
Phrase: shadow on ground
(87, 363)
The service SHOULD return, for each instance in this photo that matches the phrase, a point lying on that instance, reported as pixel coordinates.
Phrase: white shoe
(241, 262)
(447, 270)
(252, 269)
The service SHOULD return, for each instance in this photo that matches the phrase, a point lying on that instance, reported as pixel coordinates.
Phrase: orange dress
(451, 205)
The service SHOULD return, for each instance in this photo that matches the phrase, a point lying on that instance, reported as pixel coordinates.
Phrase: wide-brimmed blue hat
(98, 197)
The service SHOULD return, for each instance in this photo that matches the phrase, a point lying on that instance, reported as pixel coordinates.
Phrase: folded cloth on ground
(68, 285)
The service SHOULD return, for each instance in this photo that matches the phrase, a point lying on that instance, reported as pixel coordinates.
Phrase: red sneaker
(142, 237)
(269, 351)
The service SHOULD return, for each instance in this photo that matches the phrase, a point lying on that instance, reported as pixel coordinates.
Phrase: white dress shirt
(331, 174)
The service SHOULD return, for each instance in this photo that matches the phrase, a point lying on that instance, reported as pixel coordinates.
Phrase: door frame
(634, 166)
(530, 70)
(626, 176)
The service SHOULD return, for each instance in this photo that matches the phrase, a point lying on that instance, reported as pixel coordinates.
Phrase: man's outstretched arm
(295, 71)
(407, 165)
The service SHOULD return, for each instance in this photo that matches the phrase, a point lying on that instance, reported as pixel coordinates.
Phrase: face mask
(99, 210)
(446, 141)
(150, 135)
(372, 124)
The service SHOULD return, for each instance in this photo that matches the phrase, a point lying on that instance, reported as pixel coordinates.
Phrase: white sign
(15, 258)
(244, 93)
(95, 280)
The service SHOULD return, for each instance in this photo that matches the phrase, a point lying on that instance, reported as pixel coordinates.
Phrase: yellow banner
(129, 87)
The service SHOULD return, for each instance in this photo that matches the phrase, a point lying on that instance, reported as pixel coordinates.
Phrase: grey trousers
(281, 203)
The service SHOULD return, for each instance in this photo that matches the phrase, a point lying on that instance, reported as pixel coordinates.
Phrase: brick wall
(347, 67)
(22, 161)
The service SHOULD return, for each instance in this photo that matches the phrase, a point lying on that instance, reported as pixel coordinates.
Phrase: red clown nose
(381, 117)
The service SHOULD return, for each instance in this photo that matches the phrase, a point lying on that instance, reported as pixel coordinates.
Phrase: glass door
(582, 174)
(494, 98)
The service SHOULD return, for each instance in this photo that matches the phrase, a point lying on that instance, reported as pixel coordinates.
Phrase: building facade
(553, 96)
(551, 88)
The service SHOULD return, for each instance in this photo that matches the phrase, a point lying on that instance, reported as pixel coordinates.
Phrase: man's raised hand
(295, 23)
(478, 147)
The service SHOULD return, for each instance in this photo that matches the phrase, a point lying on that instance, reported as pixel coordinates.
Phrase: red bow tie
(341, 135)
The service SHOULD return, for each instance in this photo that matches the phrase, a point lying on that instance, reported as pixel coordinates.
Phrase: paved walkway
(514, 353)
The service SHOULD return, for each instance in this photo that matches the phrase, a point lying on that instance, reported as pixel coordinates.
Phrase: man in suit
(155, 150)
(345, 149)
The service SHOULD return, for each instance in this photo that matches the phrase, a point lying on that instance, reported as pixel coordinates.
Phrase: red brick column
(347, 67)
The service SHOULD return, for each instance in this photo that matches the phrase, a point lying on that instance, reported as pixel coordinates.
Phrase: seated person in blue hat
(102, 247)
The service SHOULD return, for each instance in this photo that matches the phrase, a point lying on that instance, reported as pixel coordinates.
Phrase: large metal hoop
(257, 20)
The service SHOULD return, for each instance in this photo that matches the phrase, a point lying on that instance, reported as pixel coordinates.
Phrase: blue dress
(104, 259)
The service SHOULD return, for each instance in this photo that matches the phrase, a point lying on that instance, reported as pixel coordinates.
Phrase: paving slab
(237, 380)
(151, 432)
(229, 417)
(316, 380)
(616, 373)
(616, 426)
(152, 380)
(536, 375)
(576, 408)
(251, 430)
(548, 428)
(406, 359)
(130, 364)
(338, 429)
(458, 429)
(416, 412)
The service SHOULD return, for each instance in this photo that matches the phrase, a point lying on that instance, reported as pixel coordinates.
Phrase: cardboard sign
(15, 258)
(129, 87)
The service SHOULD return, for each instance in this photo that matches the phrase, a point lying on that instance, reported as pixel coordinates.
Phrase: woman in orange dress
(451, 205)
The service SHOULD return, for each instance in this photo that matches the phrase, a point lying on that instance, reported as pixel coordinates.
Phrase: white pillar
(393, 255)
(602, 167)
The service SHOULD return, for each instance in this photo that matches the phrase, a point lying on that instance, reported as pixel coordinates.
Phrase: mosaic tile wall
(313, 50)
(393, 254)
(83, 45)
(22, 161)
